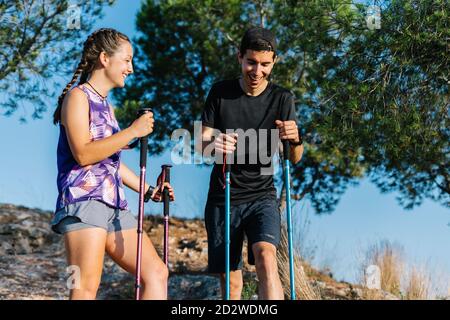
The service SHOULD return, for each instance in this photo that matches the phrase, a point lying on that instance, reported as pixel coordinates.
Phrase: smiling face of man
(256, 67)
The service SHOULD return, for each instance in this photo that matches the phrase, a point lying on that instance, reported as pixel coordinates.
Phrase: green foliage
(250, 288)
(37, 43)
(370, 102)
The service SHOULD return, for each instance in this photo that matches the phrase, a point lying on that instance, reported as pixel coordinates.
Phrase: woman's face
(120, 64)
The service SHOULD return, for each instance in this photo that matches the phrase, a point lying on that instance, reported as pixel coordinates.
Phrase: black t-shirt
(228, 107)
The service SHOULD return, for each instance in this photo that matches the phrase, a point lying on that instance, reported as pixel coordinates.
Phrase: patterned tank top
(99, 181)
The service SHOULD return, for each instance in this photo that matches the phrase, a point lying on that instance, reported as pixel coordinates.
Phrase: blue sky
(363, 216)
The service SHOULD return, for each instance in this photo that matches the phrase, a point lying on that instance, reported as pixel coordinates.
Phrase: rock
(6, 248)
(194, 287)
(22, 246)
(33, 262)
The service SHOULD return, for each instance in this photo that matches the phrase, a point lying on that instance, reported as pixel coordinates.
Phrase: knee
(266, 260)
(158, 274)
(163, 272)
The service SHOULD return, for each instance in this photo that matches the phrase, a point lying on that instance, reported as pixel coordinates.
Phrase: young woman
(91, 209)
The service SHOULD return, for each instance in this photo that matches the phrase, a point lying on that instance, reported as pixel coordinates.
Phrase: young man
(252, 106)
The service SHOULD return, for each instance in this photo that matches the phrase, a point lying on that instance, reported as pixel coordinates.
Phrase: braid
(77, 73)
(102, 40)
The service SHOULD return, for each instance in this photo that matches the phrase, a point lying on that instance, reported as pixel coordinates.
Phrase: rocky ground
(33, 266)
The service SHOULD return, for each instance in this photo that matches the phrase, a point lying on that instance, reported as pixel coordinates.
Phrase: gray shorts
(92, 214)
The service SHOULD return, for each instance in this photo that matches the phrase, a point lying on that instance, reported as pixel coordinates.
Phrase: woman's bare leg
(121, 246)
(85, 251)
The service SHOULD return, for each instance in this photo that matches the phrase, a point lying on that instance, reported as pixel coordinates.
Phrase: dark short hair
(258, 39)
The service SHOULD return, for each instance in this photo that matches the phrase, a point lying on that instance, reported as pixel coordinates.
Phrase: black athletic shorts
(259, 220)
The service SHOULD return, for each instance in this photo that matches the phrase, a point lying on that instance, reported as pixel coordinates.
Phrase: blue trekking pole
(227, 229)
(287, 185)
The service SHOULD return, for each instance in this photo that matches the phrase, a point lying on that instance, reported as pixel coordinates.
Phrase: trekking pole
(166, 198)
(288, 215)
(227, 229)
(143, 163)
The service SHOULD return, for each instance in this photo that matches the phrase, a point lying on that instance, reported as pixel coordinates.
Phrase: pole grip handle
(286, 149)
(166, 196)
(166, 200)
(143, 140)
(166, 168)
(144, 147)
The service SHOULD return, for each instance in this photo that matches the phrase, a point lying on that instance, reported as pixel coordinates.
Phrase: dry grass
(389, 259)
(303, 289)
(417, 286)
(396, 277)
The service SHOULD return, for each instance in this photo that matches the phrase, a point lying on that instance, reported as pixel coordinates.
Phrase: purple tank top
(99, 181)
